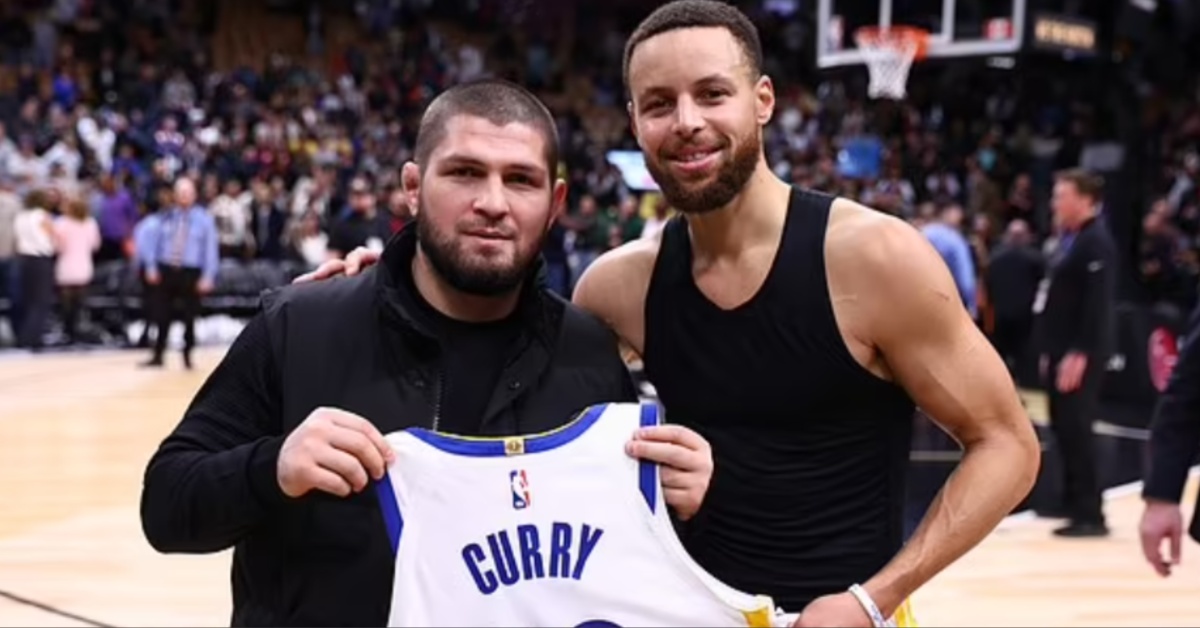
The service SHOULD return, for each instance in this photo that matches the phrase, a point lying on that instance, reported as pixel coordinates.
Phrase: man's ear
(558, 202)
(410, 181)
(765, 97)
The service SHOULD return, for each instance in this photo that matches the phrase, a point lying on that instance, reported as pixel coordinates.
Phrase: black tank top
(810, 448)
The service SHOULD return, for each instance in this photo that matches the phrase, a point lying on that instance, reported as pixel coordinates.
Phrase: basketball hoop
(889, 53)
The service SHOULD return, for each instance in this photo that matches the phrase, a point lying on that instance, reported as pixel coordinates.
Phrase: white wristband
(868, 605)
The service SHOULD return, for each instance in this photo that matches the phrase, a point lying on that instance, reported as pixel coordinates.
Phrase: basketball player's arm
(932, 348)
(213, 478)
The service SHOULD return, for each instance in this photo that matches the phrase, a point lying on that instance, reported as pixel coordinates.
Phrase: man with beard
(796, 332)
(276, 454)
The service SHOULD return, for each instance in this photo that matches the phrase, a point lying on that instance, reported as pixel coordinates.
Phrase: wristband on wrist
(868, 605)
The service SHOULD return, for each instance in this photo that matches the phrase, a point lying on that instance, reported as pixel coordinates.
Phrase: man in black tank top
(796, 332)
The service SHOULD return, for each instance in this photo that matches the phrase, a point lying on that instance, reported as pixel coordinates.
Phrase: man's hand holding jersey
(687, 464)
(332, 451)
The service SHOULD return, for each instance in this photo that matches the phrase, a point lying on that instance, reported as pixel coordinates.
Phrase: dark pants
(110, 250)
(1071, 418)
(1011, 337)
(71, 304)
(176, 284)
(37, 298)
(10, 289)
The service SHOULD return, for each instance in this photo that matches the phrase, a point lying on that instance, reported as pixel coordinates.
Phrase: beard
(477, 277)
(732, 176)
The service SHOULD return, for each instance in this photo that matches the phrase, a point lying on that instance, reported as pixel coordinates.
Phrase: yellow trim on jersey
(762, 617)
(904, 617)
(515, 445)
(492, 439)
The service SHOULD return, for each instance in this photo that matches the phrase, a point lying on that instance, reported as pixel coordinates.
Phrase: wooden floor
(76, 431)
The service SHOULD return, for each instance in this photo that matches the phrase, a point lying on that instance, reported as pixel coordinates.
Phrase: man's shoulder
(579, 324)
(583, 340)
(865, 238)
(329, 297)
(639, 253)
(880, 261)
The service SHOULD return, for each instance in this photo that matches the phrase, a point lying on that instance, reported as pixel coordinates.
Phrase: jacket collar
(398, 303)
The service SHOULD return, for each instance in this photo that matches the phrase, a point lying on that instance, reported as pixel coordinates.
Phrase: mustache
(497, 227)
(678, 147)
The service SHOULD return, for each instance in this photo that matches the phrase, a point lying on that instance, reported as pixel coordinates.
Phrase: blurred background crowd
(293, 118)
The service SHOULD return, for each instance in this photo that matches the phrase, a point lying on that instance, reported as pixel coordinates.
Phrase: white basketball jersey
(558, 529)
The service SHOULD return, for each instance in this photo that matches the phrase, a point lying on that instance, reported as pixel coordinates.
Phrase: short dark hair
(698, 14)
(495, 100)
(1087, 183)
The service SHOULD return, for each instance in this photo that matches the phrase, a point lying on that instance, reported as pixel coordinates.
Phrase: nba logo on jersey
(520, 489)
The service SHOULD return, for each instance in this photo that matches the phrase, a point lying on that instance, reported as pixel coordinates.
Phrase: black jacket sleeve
(214, 477)
(1099, 283)
(1175, 429)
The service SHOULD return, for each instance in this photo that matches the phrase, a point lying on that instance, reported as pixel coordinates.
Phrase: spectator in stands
(231, 211)
(268, 221)
(118, 214)
(77, 237)
(398, 211)
(655, 223)
(10, 206)
(1013, 273)
(26, 166)
(629, 219)
(590, 227)
(945, 234)
(307, 241)
(363, 226)
(1158, 251)
(182, 260)
(35, 251)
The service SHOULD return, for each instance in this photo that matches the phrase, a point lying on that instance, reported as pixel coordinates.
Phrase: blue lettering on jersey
(499, 565)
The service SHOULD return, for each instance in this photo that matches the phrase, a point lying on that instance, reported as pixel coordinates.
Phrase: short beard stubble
(731, 180)
(451, 264)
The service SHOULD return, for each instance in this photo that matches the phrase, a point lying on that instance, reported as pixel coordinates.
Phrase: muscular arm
(912, 316)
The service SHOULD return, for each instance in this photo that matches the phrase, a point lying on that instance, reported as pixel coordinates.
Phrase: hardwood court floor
(76, 431)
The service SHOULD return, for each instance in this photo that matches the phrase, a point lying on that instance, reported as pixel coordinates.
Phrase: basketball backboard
(957, 28)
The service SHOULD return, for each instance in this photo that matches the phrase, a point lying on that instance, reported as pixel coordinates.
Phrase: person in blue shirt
(180, 260)
(945, 234)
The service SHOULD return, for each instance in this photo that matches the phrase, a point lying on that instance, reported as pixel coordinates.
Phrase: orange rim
(878, 36)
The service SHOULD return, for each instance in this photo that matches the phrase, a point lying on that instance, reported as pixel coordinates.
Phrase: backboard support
(957, 28)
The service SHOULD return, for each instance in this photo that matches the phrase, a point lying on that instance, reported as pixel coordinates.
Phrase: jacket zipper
(437, 401)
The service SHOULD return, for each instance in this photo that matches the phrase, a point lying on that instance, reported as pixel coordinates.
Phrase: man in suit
(181, 264)
(1075, 336)
(1174, 445)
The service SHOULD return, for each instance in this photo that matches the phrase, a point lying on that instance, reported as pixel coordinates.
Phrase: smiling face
(698, 112)
(484, 203)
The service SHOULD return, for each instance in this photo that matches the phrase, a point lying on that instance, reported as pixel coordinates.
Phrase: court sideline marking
(52, 610)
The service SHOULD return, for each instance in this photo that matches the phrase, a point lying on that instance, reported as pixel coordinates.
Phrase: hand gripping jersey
(559, 529)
